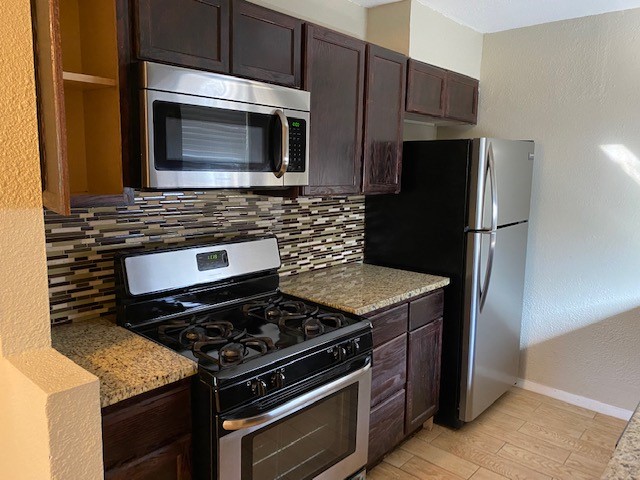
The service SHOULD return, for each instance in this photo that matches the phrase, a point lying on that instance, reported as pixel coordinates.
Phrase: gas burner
(312, 327)
(226, 352)
(335, 320)
(296, 307)
(251, 307)
(188, 332)
(232, 353)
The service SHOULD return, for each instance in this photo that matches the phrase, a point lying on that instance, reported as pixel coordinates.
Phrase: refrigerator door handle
(491, 171)
(487, 274)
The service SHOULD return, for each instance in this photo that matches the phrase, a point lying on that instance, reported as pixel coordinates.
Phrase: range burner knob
(259, 387)
(277, 379)
(340, 353)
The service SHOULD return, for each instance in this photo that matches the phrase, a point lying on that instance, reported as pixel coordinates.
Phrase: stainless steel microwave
(205, 130)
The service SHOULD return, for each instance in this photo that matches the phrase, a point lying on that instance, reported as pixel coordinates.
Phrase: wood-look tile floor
(524, 435)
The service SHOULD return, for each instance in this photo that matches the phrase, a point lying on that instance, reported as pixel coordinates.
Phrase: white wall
(572, 86)
(426, 35)
(390, 26)
(440, 41)
(341, 15)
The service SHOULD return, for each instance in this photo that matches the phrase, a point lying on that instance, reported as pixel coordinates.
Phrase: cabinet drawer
(426, 309)
(388, 325)
(386, 426)
(389, 372)
(146, 423)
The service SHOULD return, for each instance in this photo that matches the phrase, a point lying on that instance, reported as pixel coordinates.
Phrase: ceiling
(488, 16)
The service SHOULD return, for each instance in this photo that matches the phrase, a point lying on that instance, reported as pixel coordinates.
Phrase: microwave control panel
(297, 145)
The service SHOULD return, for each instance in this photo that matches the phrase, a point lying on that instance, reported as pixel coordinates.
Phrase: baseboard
(577, 400)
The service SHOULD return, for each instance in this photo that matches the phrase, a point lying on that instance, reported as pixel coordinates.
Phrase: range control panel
(274, 378)
(297, 145)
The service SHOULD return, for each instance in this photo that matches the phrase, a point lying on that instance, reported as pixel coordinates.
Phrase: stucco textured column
(49, 407)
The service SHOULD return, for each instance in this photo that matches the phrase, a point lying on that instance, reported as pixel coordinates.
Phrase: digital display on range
(212, 260)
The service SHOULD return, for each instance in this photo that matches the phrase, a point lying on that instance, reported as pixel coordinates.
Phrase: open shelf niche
(92, 100)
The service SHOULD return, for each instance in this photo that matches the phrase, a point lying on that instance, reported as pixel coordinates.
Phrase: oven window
(191, 137)
(305, 443)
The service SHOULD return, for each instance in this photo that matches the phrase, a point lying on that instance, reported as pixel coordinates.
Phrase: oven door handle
(284, 161)
(295, 404)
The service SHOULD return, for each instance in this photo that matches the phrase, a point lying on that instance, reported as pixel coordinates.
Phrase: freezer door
(491, 345)
(504, 170)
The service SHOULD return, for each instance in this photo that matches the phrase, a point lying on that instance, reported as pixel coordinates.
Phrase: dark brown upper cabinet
(425, 89)
(462, 98)
(266, 45)
(334, 70)
(384, 120)
(188, 33)
(440, 95)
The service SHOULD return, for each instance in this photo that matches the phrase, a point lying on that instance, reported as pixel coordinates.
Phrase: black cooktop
(225, 337)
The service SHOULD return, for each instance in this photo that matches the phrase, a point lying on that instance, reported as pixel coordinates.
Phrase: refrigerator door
(504, 169)
(493, 313)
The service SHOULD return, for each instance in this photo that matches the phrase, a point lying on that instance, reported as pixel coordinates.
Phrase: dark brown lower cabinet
(149, 436)
(389, 372)
(386, 426)
(423, 374)
(172, 462)
(405, 380)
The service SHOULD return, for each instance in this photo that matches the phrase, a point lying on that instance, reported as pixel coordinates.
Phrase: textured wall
(389, 26)
(426, 35)
(572, 86)
(36, 440)
(440, 41)
(341, 15)
(312, 233)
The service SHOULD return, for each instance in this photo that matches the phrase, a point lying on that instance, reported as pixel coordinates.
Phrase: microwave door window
(196, 138)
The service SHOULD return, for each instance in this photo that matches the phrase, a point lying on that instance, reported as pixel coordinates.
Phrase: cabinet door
(462, 98)
(190, 33)
(384, 120)
(143, 427)
(172, 462)
(56, 194)
(425, 89)
(266, 45)
(386, 425)
(334, 74)
(423, 374)
(389, 371)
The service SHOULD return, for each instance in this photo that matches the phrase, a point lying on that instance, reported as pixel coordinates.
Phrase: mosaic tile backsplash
(312, 233)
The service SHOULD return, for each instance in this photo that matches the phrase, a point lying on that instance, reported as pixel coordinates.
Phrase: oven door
(200, 142)
(322, 434)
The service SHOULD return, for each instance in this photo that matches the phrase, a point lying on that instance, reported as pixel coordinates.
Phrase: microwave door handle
(284, 163)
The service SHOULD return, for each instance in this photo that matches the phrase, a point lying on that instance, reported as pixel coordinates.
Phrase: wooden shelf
(86, 82)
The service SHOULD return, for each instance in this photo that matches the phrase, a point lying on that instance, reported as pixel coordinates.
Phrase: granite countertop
(360, 288)
(625, 463)
(126, 363)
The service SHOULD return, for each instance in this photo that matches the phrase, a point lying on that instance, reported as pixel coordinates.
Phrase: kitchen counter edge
(359, 288)
(126, 364)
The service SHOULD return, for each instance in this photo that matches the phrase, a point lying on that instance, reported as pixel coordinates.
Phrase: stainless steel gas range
(283, 387)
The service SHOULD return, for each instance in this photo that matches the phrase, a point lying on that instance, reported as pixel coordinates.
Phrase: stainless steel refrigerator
(463, 213)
